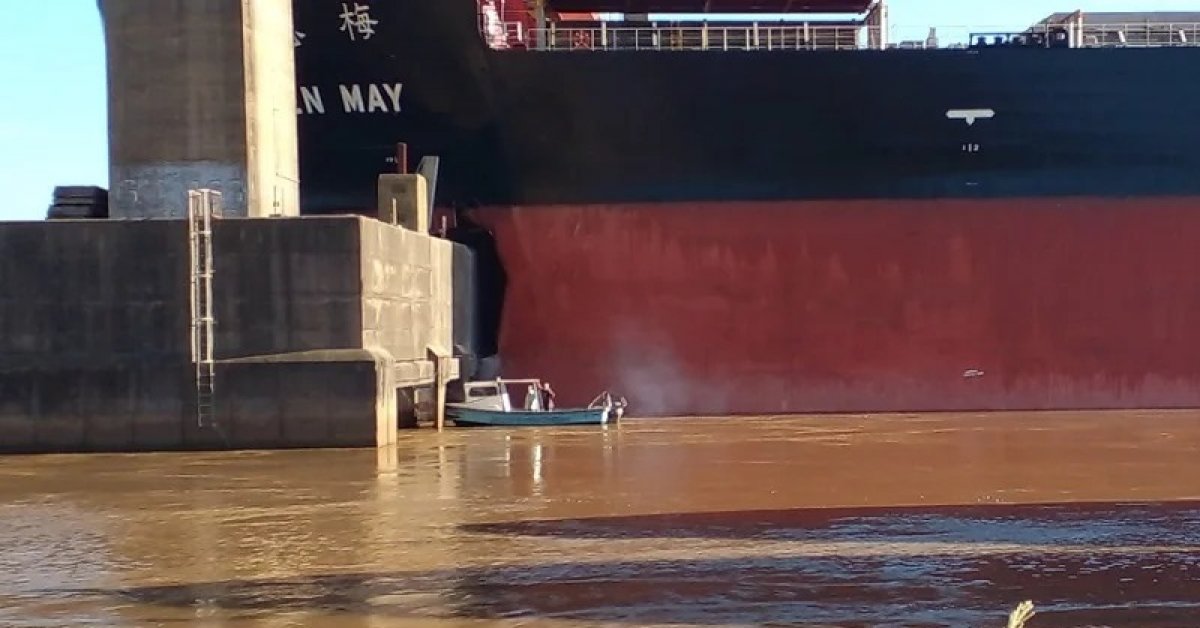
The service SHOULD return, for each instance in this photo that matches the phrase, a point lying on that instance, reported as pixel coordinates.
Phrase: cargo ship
(787, 216)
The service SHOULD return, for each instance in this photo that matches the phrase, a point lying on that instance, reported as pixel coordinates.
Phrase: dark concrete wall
(463, 306)
(94, 332)
(328, 402)
(80, 291)
(286, 285)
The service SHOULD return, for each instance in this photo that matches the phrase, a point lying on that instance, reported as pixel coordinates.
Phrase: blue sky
(53, 116)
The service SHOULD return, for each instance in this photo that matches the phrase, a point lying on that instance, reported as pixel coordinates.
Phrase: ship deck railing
(741, 37)
(810, 36)
(1141, 35)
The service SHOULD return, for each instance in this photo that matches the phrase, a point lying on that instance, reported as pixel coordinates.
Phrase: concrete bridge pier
(322, 323)
(201, 95)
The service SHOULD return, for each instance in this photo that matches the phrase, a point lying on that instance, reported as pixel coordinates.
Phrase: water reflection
(943, 520)
(878, 590)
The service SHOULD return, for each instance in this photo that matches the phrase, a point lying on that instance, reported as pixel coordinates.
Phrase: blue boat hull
(474, 417)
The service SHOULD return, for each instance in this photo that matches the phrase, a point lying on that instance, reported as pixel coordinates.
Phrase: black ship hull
(787, 231)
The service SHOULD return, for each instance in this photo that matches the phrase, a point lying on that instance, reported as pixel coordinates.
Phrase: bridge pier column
(201, 93)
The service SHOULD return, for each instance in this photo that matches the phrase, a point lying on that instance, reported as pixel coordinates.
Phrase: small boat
(487, 403)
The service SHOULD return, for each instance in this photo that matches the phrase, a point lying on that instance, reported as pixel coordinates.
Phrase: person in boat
(533, 398)
(547, 396)
(618, 407)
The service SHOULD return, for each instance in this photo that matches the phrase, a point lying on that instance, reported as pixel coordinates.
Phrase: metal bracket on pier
(445, 371)
(428, 168)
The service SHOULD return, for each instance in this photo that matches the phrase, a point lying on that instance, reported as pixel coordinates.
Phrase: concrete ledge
(317, 355)
(316, 399)
(118, 407)
(415, 373)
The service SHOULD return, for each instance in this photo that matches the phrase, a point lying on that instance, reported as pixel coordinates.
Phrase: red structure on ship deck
(711, 6)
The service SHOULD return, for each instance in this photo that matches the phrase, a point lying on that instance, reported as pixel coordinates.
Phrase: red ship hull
(795, 307)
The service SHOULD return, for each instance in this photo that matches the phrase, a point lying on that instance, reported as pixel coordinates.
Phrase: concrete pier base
(323, 325)
(319, 324)
(338, 400)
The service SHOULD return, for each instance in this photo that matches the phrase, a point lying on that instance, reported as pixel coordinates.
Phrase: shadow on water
(1077, 522)
(1084, 565)
(857, 591)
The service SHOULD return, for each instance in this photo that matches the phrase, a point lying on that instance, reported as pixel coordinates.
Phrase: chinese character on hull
(357, 21)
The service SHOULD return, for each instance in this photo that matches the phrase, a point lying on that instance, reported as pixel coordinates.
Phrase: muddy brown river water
(931, 520)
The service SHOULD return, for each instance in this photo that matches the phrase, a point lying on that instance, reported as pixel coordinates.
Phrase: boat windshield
(483, 391)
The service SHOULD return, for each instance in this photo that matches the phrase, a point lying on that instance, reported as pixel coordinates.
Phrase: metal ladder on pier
(203, 205)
